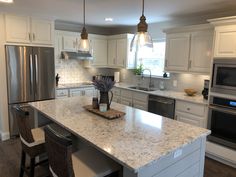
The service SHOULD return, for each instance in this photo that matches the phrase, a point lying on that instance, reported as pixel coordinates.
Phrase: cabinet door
(190, 119)
(140, 105)
(112, 52)
(99, 52)
(177, 52)
(17, 29)
(125, 101)
(200, 53)
(69, 43)
(121, 52)
(225, 41)
(42, 31)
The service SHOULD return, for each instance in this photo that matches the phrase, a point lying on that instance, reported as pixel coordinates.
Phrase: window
(153, 59)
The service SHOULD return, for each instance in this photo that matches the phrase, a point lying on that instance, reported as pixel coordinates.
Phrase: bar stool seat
(91, 163)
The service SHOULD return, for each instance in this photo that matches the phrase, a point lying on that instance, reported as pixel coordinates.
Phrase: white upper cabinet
(17, 29)
(24, 29)
(177, 52)
(70, 41)
(119, 55)
(99, 46)
(188, 49)
(42, 31)
(225, 37)
(200, 52)
(112, 52)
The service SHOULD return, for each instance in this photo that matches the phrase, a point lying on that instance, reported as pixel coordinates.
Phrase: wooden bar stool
(87, 162)
(32, 141)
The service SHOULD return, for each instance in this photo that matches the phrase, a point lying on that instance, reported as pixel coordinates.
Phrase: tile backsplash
(72, 71)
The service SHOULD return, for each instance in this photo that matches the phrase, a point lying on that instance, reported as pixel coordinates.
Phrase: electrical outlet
(175, 83)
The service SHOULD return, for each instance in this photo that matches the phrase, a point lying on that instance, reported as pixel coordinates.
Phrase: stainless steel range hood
(76, 55)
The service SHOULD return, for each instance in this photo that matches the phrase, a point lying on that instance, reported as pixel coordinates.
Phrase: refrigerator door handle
(36, 74)
(31, 74)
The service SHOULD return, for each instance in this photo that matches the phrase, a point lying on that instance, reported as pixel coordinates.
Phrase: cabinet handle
(33, 37)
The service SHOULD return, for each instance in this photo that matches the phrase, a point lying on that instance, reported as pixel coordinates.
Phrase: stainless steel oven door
(222, 123)
(223, 80)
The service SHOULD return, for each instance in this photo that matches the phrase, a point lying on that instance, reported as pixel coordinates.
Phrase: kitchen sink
(142, 88)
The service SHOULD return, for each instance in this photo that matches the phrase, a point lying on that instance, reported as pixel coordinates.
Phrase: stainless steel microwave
(224, 76)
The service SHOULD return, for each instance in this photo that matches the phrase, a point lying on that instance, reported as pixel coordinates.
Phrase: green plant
(104, 84)
(139, 70)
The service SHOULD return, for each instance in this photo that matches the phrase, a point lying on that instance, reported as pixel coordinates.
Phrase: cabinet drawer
(76, 92)
(126, 93)
(190, 119)
(140, 96)
(190, 108)
(62, 93)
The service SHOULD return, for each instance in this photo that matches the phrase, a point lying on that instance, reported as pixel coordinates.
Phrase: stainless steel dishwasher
(162, 106)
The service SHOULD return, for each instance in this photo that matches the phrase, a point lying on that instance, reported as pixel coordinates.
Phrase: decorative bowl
(190, 92)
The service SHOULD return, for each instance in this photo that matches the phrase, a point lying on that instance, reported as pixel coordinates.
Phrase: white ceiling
(124, 12)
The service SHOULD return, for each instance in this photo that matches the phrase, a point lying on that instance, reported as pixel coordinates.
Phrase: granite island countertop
(137, 140)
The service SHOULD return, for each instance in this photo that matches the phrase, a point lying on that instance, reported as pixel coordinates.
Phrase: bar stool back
(83, 163)
(32, 141)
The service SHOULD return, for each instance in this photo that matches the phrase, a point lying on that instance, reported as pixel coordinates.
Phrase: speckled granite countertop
(168, 93)
(135, 141)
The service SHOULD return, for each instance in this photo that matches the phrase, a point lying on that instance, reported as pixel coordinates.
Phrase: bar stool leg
(32, 166)
(22, 164)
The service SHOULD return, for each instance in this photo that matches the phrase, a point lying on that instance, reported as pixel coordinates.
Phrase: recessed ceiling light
(7, 1)
(108, 19)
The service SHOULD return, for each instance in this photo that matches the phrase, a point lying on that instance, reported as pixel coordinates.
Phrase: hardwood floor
(10, 157)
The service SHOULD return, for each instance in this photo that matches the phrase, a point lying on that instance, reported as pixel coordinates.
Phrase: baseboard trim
(4, 136)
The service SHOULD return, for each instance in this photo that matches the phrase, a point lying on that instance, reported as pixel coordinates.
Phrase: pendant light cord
(143, 8)
(84, 13)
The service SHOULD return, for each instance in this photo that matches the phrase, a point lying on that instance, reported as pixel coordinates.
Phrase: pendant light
(142, 37)
(84, 44)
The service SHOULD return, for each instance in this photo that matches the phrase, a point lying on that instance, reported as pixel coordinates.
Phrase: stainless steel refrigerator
(30, 77)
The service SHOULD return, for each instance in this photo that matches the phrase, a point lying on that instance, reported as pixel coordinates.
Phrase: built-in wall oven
(222, 121)
(224, 76)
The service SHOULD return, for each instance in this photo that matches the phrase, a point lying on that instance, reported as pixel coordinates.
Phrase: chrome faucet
(151, 85)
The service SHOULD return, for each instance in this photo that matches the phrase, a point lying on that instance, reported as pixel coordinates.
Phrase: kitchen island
(145, 144)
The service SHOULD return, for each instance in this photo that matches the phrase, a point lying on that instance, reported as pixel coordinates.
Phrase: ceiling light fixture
(108, 19)
(7, 1)
(84, 44)
(142, 37)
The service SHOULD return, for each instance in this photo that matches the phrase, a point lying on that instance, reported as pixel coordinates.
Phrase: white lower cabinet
(62, 93)
(191, 113)
(130, 98)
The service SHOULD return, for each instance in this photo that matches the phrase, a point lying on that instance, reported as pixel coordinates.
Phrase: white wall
(4, 127)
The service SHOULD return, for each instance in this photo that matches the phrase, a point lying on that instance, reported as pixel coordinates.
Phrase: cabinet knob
(188, 109)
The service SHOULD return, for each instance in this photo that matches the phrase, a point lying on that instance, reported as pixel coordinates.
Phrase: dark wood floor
(10, 157)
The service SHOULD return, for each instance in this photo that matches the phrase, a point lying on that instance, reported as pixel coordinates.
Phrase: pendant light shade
(142, 37)
(84, 44)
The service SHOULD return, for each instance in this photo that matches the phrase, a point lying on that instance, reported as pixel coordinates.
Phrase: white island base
(185, 162)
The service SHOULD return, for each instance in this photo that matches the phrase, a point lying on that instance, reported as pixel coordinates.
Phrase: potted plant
(139, 70)
(104, 85)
